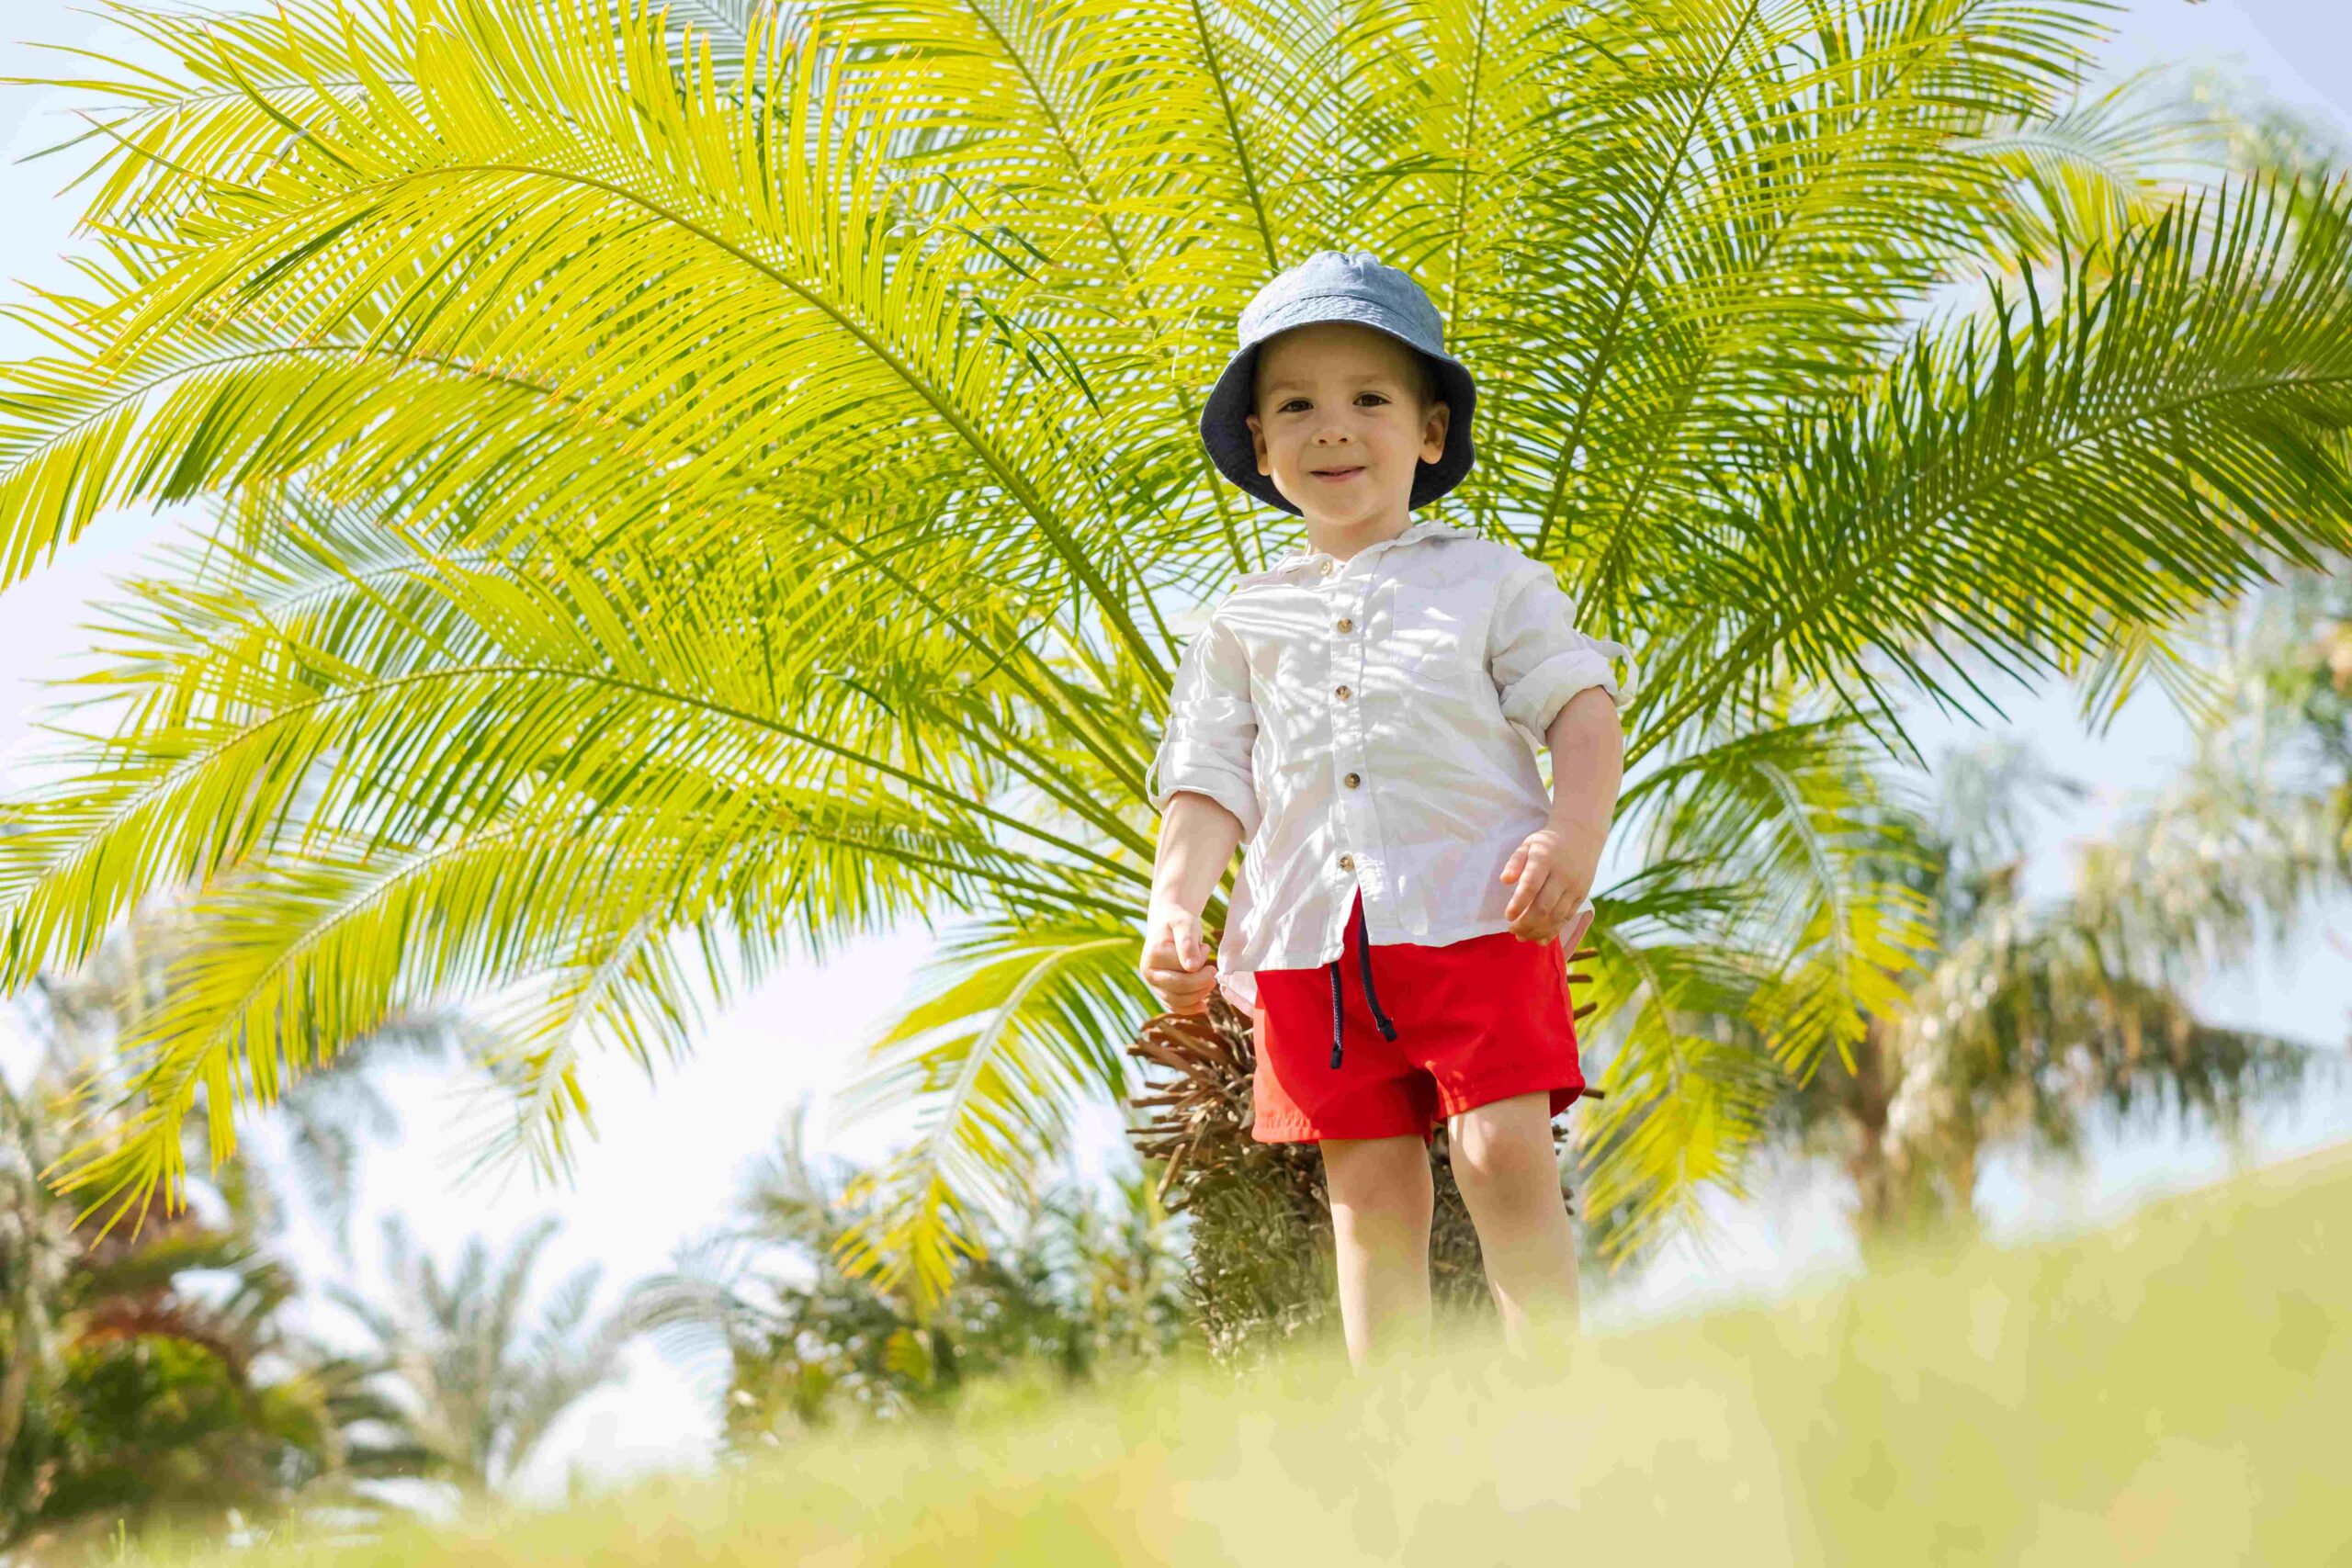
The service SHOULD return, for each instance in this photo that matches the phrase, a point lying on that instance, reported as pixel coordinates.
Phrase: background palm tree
(677, 508)
(154, 1375)
(1068, 1291)
(78, 1020)
(469, 1379)
(2032, 1022)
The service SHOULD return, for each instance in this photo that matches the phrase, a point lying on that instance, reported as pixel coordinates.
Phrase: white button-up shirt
(1374, 724)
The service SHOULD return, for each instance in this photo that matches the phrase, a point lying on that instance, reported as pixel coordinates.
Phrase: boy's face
(1338, 422)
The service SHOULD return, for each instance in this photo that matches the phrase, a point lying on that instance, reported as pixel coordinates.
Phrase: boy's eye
(1291, 403)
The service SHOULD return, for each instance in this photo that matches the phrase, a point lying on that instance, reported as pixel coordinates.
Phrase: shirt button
(1346, 625)
(1347, 862)
(1342, 690)
(1326, 569)
(1352, 780)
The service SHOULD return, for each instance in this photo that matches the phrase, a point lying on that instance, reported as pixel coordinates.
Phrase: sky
(669, 1154)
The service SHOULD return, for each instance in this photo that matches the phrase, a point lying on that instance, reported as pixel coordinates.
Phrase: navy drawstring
(1334, 967)
(1363, 955)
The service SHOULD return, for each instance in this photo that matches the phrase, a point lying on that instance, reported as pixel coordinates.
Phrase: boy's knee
(1490, 1160)
(1384, 1174)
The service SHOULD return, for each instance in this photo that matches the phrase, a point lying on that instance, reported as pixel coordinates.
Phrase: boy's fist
(1551, 890)
(1177, 964)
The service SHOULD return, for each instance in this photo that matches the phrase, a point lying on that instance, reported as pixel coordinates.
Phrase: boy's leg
(1383, 1198)
(1508, 1168)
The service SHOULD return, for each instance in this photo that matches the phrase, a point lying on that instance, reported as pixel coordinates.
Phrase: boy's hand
(1176, 961)
(1550, 891)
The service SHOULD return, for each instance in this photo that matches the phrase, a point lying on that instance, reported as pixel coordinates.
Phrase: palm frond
(1016, 1026)
(244, 720)
(1775, 914)
(2097, 168)
(1756, 189)
(2115, 453)
(1793, 818)
(1686, 1088)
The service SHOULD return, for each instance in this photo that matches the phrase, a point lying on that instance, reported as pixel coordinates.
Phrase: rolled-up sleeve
(1211, 726)
(1539, 659)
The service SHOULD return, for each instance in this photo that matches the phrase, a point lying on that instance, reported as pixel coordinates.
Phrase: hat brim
(1224, 429)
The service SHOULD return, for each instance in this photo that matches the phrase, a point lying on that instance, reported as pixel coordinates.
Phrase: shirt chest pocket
(1433, 641)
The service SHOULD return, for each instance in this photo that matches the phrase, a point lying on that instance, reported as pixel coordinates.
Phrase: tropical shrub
(1065, 1293)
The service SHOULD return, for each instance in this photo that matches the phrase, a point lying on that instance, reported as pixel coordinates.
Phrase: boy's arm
(1556, 684)
(1200, 783)
(1196, 839)
(1555, 866)
(1587, 747)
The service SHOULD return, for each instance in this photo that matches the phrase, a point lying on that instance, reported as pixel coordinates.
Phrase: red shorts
(1474, 1021)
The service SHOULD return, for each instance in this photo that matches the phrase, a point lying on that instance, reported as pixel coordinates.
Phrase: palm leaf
(330, 941)
(1775, 916)
(2095, 168)
(1016, 1027)
(2171, 430)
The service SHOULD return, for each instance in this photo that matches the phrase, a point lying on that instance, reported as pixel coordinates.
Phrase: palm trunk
(1878, 1210)
(1897, 1202)
(25, 1320)
(16, 1384)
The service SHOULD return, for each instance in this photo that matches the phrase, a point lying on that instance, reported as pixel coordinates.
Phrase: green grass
(2173, 1389)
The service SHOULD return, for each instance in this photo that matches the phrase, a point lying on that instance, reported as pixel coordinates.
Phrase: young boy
(1363, 715)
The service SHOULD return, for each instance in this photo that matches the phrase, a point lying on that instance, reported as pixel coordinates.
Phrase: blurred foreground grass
(2174, 1390)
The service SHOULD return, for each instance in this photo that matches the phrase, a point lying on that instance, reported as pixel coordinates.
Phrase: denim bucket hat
(1339, 286)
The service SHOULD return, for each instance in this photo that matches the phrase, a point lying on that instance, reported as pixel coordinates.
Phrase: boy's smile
(1341, 419)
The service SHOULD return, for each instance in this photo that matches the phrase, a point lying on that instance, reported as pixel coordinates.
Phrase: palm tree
(1066, 1287)
(2032, 1022)
(154, 1376)
(467, 1379)
(77, 1018)
(35, 1266)
(688, 497)
(154, 1373)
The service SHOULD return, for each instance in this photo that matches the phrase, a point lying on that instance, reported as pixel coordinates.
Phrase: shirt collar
(1302, 554)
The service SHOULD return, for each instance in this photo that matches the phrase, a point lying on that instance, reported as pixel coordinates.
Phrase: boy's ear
(1433, 428)
(1258, 441)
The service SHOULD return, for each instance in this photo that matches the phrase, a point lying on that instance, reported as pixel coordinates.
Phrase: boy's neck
(1342, 540)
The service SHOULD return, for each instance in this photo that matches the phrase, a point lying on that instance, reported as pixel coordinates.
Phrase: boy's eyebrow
(1286, 383)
